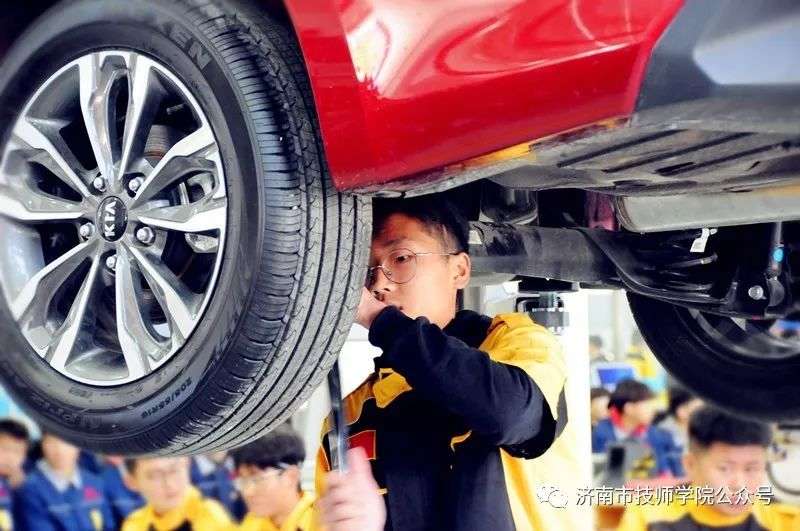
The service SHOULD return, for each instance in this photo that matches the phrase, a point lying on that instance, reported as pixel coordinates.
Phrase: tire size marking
(167, 401)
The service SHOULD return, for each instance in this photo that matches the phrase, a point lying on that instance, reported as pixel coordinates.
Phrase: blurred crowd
(645, 431)
(51, 485)
(653, 435)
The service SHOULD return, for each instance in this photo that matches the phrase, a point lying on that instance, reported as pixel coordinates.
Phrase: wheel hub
(99, 265)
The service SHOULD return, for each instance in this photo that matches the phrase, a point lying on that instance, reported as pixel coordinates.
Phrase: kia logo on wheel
(112, 218)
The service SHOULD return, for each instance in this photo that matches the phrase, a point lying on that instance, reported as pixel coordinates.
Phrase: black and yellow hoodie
(451, 419)
(677, 516)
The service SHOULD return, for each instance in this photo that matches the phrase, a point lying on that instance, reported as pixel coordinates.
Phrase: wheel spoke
(204, 215)
(26, 205)
(80, 314)
(178, 302)
(39, 290)
(53, 153)
(189, 155)
(97, 95)
(144, 97)
(136, 341)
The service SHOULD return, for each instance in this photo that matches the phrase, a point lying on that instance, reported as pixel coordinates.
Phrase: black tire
(296, 248)
(765, 389)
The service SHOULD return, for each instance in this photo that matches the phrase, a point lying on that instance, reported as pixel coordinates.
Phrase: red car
(185, 189)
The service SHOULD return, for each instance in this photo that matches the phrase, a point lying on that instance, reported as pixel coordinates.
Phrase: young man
(123, 500)
(213, 474)
(14, 441)
(726, 454)
(59, 495)
(682, 403)
(631, 413)
(598, 400)
(458, 401)
(172, 503)
(268, 476)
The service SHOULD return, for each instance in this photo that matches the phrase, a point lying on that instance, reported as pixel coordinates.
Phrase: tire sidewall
(161, 32)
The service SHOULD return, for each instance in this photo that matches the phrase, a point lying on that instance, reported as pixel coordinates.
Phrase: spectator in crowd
(121, 498)
(14, 440)
(599, 397)
(14, 444)
(682, 403)
(596, 351)
(268, 476)
(726, 465)
(61, 496)
(213, 474)
(631, 413)
(597, 358)
(172, 503)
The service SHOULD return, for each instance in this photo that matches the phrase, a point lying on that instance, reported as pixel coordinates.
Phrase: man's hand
(351, 501)
(368, 308)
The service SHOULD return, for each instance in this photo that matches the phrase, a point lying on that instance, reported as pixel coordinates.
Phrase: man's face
(12, 454)
(162, 481)
(641, 412)
(432, 291)
(59, 454)
(723, 465)
(268, 492)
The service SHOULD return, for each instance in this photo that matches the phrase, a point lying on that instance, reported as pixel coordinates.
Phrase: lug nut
(111, 262)
(756, 293)
(135, 184)
(146, 235)
(99, 184)
(86, 231)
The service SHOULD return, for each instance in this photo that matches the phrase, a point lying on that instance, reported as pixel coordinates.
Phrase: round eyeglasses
(242, 483)
(399, 266)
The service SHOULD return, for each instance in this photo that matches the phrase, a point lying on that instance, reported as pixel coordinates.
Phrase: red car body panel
(406, 87)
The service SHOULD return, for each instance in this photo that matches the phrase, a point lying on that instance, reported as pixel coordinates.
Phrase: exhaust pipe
(542, 252)
(719, 209)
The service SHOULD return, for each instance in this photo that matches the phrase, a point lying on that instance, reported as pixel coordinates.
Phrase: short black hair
(283, 446)
(596, 341)
(15, 429)
(678, 396)
(597, 392)
(628, 391)
(709, 425)
(438, 214)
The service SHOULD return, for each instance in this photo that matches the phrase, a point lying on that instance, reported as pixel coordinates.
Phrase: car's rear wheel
(745, 366)
(177, 271)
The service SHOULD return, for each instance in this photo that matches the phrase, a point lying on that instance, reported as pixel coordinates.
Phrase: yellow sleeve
(516, 340)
